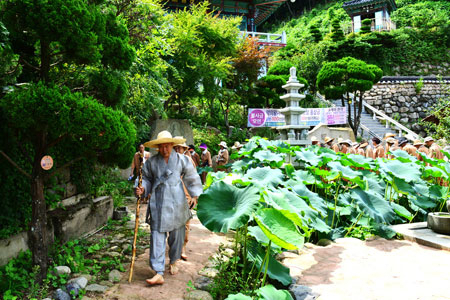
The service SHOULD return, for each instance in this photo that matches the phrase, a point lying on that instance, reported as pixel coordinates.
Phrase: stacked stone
(401, 98)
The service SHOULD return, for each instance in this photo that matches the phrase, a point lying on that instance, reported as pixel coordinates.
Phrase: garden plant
(277, 197)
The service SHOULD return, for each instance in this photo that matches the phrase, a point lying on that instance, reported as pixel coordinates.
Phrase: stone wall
(423, 69)
(400, 99)
(77, 216)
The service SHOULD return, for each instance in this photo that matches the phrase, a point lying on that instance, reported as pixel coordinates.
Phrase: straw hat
(388, 135)
(363, 145)
(348, 142)
(417, 143)
(328, 139)
(314, 139)
(402, 141)
(181, 144)
(223, 144)
(163, 138)
(237, 145)
(340, 140)
(428, 139)
(390, 140)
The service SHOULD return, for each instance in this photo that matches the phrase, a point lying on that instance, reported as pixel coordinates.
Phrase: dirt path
(351, 269)
(202, 244)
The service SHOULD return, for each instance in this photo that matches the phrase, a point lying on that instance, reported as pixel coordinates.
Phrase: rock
(60, 270)
(113, 254)
(114, 276)
(120, 236)
(130, 224)
(301, 292)
(59, 294)
(73, 289)
(401, 99)
(106, 283)
(81, 281)
(114, 248)
(324, 242)
(120, 212)
(197, 295)
(203, 283)
(49, 299)
(228, 252)
(209, 272)
(96, 288)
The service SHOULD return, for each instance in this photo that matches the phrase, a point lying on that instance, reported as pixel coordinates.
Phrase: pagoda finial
(293, 72)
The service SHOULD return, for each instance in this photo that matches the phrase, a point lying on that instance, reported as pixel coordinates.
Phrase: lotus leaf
(403, 156)
(223, 207)
(267, 155)
(279, 229)
(265, 177)
(268, 292)
(358, 161)
(305, 177)
(374, 205)
(407, 171)
(275, 269)
(258, 234)
(241, 165)
(238, 297)
(348, 173)
(308, 156)
(401, 211)
(314, 199)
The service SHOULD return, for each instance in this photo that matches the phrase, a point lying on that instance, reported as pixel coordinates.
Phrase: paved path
(351, 269)
(202, 244)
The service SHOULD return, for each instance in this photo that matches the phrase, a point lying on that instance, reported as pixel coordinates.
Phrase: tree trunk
(45, 59)
(38, 231)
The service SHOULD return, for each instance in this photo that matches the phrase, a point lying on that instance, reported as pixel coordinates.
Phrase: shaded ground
(202, 244)
(378, 269)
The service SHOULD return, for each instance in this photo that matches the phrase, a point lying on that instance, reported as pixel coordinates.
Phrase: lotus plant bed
(273, 206)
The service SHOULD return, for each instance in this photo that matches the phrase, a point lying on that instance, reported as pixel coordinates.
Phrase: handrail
(389, 120)
(265, 37)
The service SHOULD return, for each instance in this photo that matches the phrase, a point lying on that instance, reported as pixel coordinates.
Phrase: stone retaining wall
(78, 216)
(400, 100)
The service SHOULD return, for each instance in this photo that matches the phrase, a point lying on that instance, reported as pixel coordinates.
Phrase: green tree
(59, 44)
(340, 79)
(336, 31)
(315, 33)
(202, 49)
(366, 26)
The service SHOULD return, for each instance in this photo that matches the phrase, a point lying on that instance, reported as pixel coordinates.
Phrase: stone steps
(367, 120)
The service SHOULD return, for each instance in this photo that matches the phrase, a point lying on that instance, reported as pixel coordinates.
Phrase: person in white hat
(434, 150)
(167, 211)
(237, 146)
(223, 156)
(420, 148)
(315, 141)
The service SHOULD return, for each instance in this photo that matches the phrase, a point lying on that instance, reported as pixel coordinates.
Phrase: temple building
(377, 10)
(253, 12)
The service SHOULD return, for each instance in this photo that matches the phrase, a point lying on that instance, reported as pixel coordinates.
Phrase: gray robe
(168, 209)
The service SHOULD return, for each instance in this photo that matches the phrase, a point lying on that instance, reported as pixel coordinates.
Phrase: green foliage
(9, 66)
(440, 111)
(210, 138)
(315, 33)
(366, 26)
(422, 37)
(418, 85)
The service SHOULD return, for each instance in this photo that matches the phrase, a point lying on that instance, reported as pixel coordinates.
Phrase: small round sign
(47, 162)
(257, 117)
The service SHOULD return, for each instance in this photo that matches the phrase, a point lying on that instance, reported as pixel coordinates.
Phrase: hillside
(419, 46)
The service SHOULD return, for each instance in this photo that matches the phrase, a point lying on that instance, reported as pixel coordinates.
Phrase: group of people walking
(383, 149)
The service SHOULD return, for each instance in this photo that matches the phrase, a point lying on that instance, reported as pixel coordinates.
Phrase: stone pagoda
(293, 133)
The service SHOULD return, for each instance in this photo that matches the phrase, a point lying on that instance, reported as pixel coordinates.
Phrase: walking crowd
(383, 149)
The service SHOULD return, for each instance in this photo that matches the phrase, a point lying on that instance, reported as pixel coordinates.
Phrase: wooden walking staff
(136, 225)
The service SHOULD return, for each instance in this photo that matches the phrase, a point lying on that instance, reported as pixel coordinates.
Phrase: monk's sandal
(173, 269)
